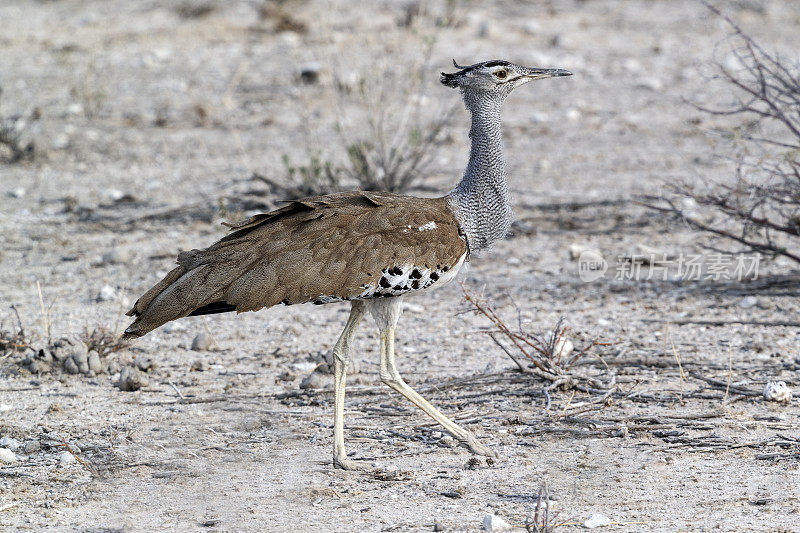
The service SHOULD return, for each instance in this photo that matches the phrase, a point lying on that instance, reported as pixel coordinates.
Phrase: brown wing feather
(329, 246)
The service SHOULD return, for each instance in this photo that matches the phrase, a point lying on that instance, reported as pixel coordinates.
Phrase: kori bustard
(369, 248)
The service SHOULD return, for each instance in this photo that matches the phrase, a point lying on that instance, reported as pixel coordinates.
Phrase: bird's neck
(481, 200)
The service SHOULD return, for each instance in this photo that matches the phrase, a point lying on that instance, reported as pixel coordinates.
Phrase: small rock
(81, 358)
(493, 522)
(117, 256)
(38, 367)
(113, 367)
(448, 441)
(202, 342)
(70, 366)
(596, 520)
(650, 83)
(747, 302)
(312, 381)
(437, 526)
(309, 72)
(19, 192)
(66, 458)
(10, 443)
(172, 327)
(563, 348)
(130, 379)
(144, 363)
(573, 115)
(199, 366)
(94, 363)
(304, 366)
(7, 456)
(31, 446)
(106, 293)
(60, 349)
(777, 391)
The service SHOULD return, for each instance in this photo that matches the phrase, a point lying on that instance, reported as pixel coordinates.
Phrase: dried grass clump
(550, 356)
(103, 340)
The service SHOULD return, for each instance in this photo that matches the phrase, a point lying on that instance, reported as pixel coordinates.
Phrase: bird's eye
(501, 74)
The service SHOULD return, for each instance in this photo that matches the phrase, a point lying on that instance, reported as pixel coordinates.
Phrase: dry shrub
(550, 356)
(389, 150)
(759, 207)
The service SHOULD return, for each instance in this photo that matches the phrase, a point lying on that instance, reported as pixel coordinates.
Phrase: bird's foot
(472, 444)
(348, 464)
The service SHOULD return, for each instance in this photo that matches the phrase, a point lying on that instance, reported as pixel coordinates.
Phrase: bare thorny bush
(550, 356)
(389, 150)
(760, 207)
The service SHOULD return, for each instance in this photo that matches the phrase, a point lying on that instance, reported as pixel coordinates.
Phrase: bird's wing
(320, 249)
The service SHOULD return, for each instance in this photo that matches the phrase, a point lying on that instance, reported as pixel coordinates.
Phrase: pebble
(7, 456)
(70, 366)
(106, 293)
(94, 363)
(60, 349)
(309, 72)
(31, 446)
(573, 115)
(650, 83)
(596, 520)
(304, 366)
(66, 458)
(777, 391)
(130, 379)
(19, 192)
(116, 256)
(144, 363)
(312, 381)
(448, 441)
(201, 342)
(10, 443)
(493, 522)
(199, 366)
(747, 302)
(81, 358)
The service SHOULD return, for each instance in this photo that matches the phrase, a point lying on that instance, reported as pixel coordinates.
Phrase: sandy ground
(150, 120)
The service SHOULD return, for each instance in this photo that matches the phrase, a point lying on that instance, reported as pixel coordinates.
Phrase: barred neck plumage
(481, 200)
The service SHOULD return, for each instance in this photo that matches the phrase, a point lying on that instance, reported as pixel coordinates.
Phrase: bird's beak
(542, 73)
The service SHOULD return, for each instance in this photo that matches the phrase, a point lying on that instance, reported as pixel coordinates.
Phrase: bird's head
(496, 77)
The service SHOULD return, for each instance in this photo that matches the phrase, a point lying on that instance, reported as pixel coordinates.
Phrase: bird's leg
(391, 376)
(341, 360)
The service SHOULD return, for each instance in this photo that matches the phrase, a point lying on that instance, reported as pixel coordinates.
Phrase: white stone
(777, 391)
(65, 458)
(106, 293)
(747, 302)
(7, 456)
(305, 366)
(19, 192)
(596, 520)
(495, 523)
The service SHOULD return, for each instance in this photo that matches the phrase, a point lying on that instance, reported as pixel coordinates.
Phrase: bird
(371, 249)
